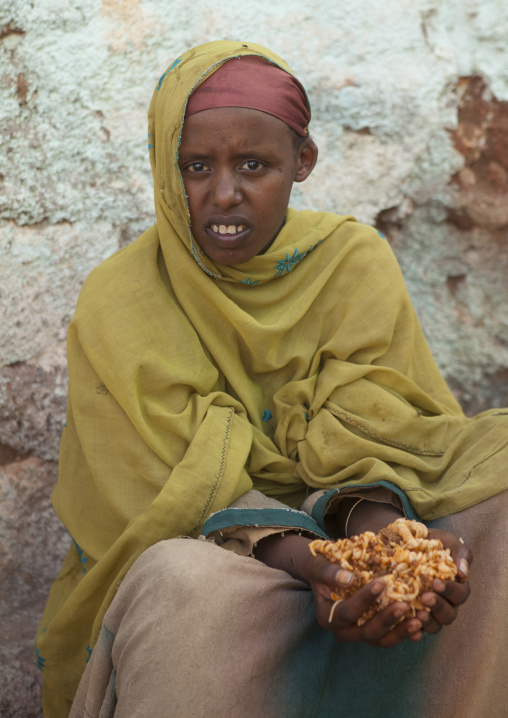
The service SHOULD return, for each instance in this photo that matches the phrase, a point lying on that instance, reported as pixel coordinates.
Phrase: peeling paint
(482, 137)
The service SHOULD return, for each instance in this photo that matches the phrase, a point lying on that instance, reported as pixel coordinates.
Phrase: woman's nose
(226, 190)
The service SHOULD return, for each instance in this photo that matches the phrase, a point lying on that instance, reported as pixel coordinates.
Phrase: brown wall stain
(482, 138)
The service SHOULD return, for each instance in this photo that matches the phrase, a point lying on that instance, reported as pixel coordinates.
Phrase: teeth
(230, 229)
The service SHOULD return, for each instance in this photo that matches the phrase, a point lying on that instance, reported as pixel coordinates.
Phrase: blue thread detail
(150, 147)
(248, 282)
(267, 415)
(171, 67)
(40, 660)
(284, 266)
(82, 557)
(380, 234)
(89, 653)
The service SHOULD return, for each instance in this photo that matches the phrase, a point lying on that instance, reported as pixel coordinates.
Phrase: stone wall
(410, 103)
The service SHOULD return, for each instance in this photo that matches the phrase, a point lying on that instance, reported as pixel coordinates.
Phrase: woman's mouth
(227, 235)
(228, 229)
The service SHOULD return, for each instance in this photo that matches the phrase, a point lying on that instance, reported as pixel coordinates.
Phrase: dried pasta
(401, 555)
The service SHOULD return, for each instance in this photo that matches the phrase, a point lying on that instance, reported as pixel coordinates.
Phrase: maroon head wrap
(257, 84)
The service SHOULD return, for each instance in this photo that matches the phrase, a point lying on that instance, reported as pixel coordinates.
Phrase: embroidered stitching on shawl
(384, 439)
(220, 472)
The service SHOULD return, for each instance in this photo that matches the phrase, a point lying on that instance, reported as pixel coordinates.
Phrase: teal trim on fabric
(261, 517)
(318, 511)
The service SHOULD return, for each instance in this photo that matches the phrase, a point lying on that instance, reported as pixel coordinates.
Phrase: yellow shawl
(191, 383)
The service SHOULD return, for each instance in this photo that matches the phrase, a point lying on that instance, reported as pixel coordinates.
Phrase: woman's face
(238, 167)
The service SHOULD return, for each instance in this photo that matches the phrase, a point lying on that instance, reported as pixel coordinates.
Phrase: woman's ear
(306, 159)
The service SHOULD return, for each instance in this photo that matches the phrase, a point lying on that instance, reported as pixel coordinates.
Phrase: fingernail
(430, 601)
(378, 588)
(343, 577)
(438, 586)
(414, 628)
(399, 612)
(463, 566)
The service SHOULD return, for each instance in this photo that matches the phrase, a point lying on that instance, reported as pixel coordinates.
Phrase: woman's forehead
(230, 126)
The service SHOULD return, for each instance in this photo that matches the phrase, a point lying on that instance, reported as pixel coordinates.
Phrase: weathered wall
(410, 102)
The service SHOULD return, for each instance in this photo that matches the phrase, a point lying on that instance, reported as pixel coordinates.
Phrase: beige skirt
(196, 630)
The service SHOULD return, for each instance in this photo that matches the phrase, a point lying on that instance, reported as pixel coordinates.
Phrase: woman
(242, 359)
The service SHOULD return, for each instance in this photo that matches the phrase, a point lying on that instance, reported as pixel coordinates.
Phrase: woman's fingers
(323, 571)
(442, 611)
(384, 629)
(387, 628)
(446, 596)
(409, 629)
(336, 615)
(346, 613)
(443, 603)
(429, 623)
(454, 592)
(461, 553)
(384, 622)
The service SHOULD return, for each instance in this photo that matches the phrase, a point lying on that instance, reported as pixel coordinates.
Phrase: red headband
(256, 84)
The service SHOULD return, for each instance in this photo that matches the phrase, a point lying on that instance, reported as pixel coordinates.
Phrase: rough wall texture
(410, 103)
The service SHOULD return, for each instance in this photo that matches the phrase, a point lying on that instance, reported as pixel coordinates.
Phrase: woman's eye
(252, 165)
(197, 167)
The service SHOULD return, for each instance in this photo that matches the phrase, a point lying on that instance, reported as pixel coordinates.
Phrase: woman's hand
(447, 596)
(382, 630)
(291, 553)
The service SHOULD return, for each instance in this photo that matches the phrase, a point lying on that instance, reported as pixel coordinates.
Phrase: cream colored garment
(198, 631)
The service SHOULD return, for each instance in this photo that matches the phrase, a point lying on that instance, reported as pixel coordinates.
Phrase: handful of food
(401, 555)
